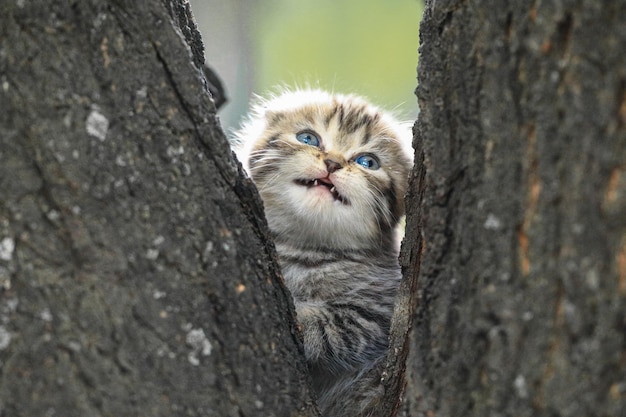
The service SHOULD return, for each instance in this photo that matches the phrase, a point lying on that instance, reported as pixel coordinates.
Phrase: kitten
(332, 171)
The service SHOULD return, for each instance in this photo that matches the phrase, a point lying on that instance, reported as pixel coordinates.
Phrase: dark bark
(135, 269)
(521, 211)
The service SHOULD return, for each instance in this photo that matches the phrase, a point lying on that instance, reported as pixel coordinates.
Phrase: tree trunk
(516, 231)
(135, 270)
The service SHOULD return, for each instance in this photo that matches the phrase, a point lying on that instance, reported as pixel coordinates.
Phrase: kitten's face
(332, 170)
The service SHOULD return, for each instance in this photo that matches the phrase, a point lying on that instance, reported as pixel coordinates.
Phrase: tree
(136, 274)
(517, 218)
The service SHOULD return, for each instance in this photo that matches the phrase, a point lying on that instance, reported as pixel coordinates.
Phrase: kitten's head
(332, 170)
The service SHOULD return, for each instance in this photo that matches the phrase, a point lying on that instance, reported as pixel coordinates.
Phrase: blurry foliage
(363, 46)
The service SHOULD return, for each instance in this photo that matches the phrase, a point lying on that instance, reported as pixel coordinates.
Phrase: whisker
(380, 202)
(289, 144)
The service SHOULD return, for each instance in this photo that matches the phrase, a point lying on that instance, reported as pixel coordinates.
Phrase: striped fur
(335, 238)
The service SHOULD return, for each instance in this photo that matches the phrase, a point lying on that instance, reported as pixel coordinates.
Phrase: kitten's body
(332, 171)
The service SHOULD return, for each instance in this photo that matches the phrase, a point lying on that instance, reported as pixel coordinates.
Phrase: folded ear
(406, 139)
(274, 116)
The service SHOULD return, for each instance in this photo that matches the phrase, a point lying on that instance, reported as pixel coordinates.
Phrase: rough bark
(135, 270)
(520, 257)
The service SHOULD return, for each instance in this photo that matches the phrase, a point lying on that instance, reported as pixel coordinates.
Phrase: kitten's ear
(264, 110)
(273, 116)
(406, 139)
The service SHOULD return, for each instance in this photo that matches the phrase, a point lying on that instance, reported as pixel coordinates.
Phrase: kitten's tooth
(332, 189)
(315, 182)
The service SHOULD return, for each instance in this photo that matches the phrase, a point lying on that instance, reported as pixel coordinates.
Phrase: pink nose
(332, 166)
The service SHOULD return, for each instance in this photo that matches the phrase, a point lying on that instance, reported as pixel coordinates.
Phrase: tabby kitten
(332, 171)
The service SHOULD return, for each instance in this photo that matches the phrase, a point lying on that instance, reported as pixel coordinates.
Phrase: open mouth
(318, 182)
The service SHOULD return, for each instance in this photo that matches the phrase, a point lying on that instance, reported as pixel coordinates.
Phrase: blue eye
(367, 161)
(308, 138)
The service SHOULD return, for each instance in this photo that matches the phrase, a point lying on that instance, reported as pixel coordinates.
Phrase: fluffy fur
(332, 171)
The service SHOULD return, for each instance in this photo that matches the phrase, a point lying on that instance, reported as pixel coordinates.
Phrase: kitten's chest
(317, 281)
(323, 276)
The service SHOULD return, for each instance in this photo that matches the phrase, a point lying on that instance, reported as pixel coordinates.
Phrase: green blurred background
(367, 47)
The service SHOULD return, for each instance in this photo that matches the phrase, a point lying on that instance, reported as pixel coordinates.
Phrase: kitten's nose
(331, 165)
